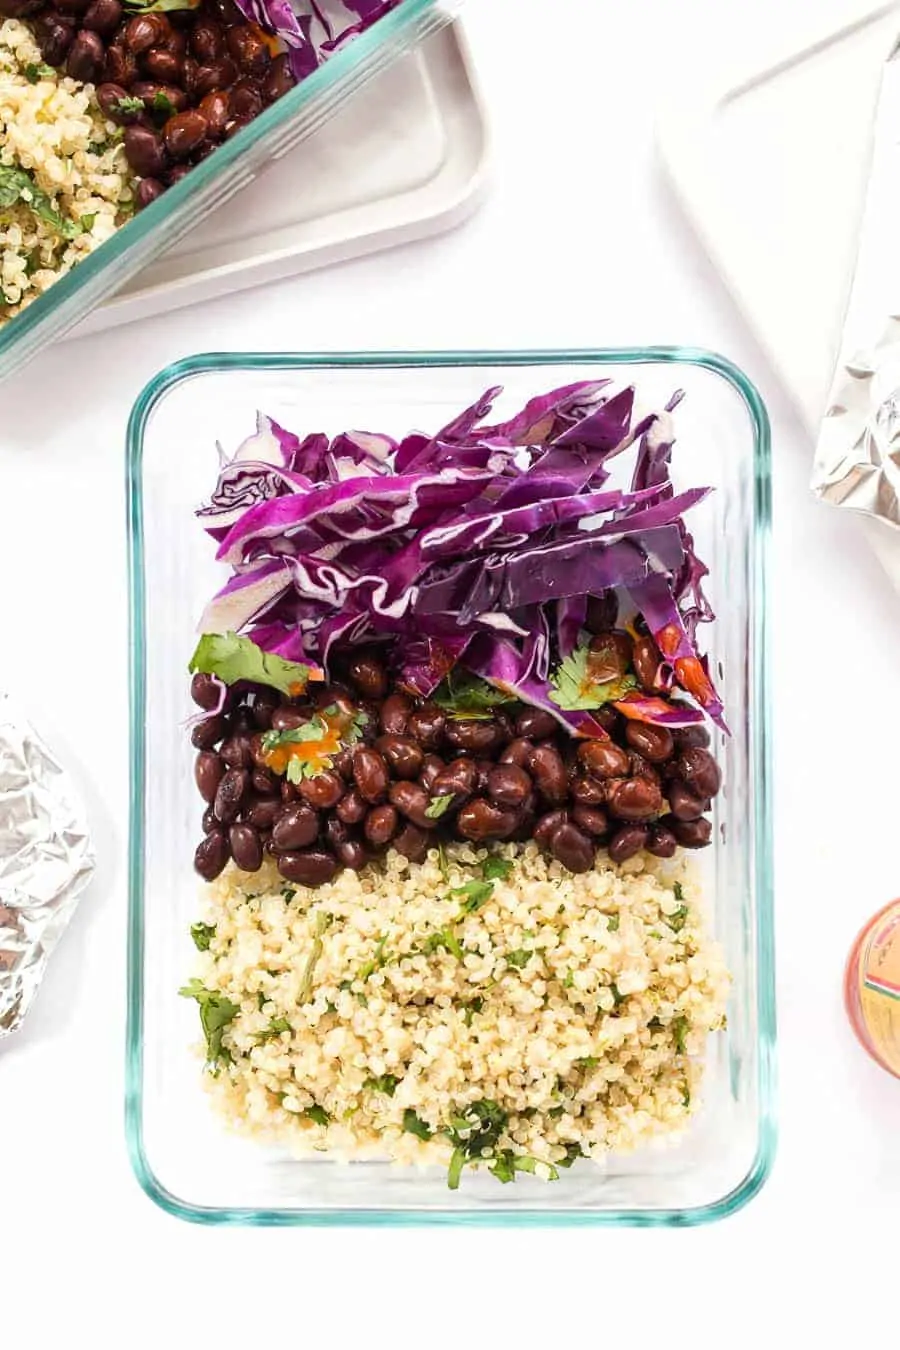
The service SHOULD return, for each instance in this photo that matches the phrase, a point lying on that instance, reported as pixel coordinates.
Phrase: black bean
(264, 704)
(692, 833)
(353, 854)
(242, 721)
(184, 132)
(517, 752)
(508, 784)
(683, 803)
(480, 820)
(55, 36)
(482, 772)
(230, 794)
(72, 6)
(403, 754)
(207, 41)
(639, 767)
(295, 826)
(653, 743)
(208, 772)
(210, 820)
(342, 763)
(592, 820)
(602, 759)
(609, 656)
(351, 809)
(602, 612)
(264, 782)
(247, 101)
(216, 108)
(217, 75)
(549, 772)
(145, 151)
(458, 778)
(206, 734)
(633, 798)
(236, 752)
(627, 842)
(695, 736)
(246, 847)
(699, 771)
(381, 824)
(312, 868)
(426, 725)
(432, 765)
(475, 737)
(278, 79)
(288, 718)
(412, 843)
(536, 724)
(263, 813)
(395, 712)
(249, 50)
(661, 842)
(18, 9)
(572, 848)
(370, 774)
(144, 31)
(163, 65)
(102, 16)
(86, 57)
(323, 791)
(646, 661)
(547, 826)
(412, 801)
(336, 833)
(588, 791)
(212, 854)
(288, 791)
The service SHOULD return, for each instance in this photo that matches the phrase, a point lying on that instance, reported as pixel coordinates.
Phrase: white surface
(769, 154)
(404, 159)
(578, 242)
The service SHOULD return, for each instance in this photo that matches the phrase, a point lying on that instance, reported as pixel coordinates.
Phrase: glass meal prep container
(181, 1151)
(217, 178)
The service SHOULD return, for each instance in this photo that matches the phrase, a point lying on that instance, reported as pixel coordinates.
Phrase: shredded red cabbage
(478, 545)
(312, 29)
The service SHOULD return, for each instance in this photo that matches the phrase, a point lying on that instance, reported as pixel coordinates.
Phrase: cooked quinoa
(525, 1023)
(64, 181)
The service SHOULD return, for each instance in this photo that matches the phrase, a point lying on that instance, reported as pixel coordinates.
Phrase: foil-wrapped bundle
(857, 460)
(46, 860)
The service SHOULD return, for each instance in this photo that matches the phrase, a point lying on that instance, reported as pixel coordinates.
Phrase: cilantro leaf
(678, 892)
(679, 1027)
(375, 962)
(454, 1171)
(38, 71)
(612, 923)
(17, 187)
(438, 805)
(216, 1012)
(496, 869)
(573, 1151)
(586, 1062)
(317, 1114)
(414, 1124)
(234, 658)
(573, 687)
(472, 895)
(320, 923)
(678, 918)
(88, 221)
(386, 1083)
(276, 1026)
(474, 1006)
(444, 939)
(519, 959)
(203, 934)
(163, 104)
(468, 697)
(129, 104)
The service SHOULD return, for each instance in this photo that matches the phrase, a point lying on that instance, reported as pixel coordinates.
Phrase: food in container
(872, 987)
(427, 645)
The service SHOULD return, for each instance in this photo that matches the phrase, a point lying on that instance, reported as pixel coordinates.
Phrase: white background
(579, 242)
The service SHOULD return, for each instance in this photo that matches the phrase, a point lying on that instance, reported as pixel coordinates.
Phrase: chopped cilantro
(468, 697)
(163, 104)
(288, 893)
(34, 72)
(586, 1062)
(414, 1124)
(261, 1000)
(573, 1152)
(276, 1026)
(386, 1083)
(444, 939)
(612, 923)
(569, 981)
(88, 221)
(438, 805)
(317, 1114)
(442, 861)
(472, 895)
(519, 959)
(129, 104)
(574, 688)
(375, 962)
(216, 1012)
(320, 923)
(496, 869)
(474, 1006)
(203, 934)
(678, 918)
(679, 1027)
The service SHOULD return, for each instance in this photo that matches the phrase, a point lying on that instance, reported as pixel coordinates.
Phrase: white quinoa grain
(594, 1042)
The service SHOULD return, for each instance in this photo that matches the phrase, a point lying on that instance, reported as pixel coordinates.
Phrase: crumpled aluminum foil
(46, 860)
(857, 461)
